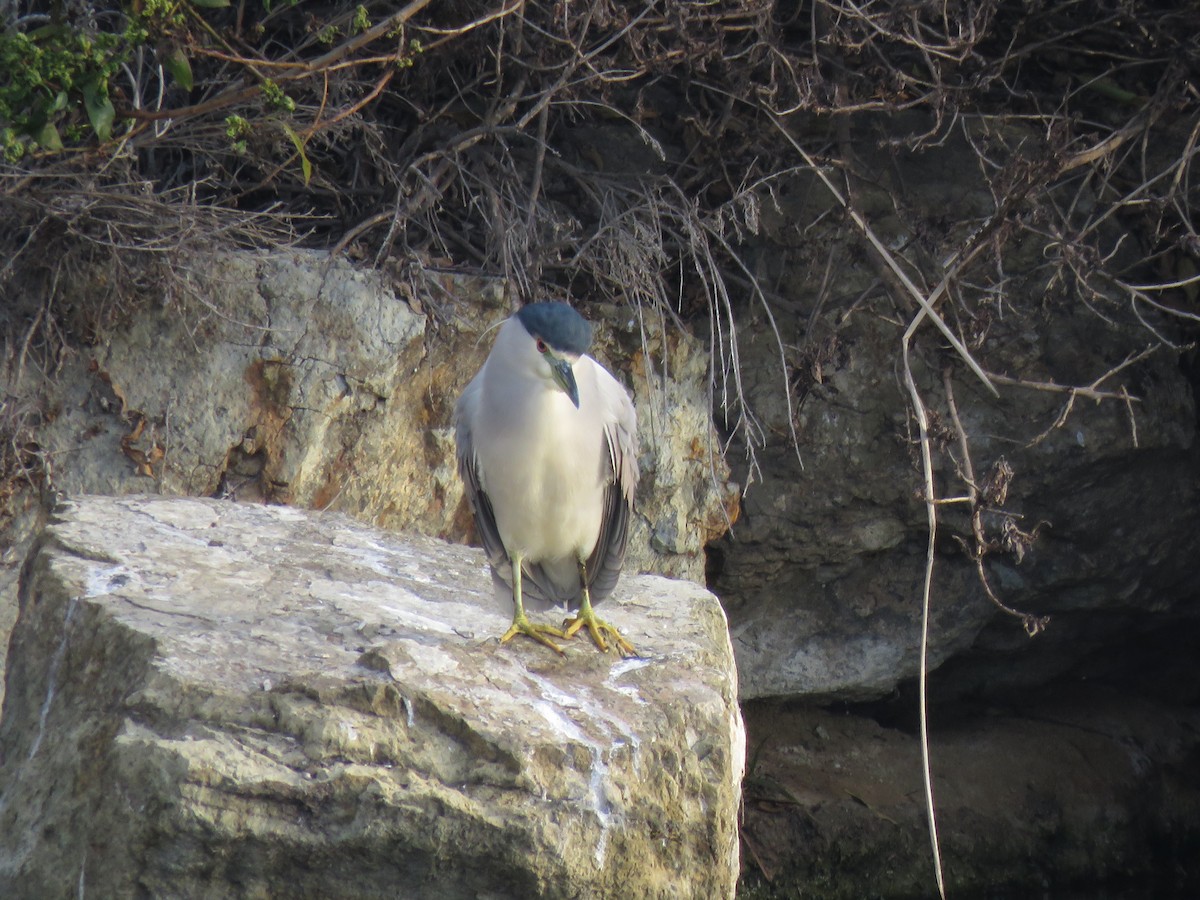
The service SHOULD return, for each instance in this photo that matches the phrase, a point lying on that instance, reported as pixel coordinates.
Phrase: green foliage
(238, 130)
(298, 143)
(56, 76)
(67, 82)
(362, 20)
(415, 48)
(163, 16)
(176, 62)
(60, 76)
(275, 97)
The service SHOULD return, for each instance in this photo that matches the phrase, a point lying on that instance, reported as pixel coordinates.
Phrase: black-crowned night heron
(547, 450)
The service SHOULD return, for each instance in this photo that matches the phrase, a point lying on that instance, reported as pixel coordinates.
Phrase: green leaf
(1108, 88)
(176, 62)
(298, 143)
(48, 137)
(99, 109)
(210, 4)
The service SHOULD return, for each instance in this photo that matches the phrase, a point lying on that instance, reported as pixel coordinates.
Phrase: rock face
(217, 699)
(822, 575)
(299, 379)
(294, 378)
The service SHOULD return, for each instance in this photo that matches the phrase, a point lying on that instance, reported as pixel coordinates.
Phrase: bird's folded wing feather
(468, 471)
(621, 475)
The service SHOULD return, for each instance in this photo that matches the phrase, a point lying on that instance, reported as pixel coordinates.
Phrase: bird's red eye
(541, 345)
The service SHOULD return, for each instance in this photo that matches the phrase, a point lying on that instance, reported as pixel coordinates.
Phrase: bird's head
(559, 336)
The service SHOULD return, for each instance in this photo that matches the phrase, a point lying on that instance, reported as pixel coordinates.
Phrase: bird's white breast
(543, 469)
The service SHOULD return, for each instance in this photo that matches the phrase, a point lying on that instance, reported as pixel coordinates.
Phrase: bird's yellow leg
(522, 625)
(596, 626)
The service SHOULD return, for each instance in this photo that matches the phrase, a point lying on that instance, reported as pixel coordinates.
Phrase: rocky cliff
(293, 379)
(211, 699)
(300, 379)
(766, 209)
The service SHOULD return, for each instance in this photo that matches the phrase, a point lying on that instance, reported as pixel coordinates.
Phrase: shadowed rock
(212, 699)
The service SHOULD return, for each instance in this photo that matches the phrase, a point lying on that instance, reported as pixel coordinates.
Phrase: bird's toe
(598, 628)
(540, 633)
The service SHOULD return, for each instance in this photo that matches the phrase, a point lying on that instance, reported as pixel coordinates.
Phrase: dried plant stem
(926, 303)
(1033, 624)
(1088, 393)
(923, 675)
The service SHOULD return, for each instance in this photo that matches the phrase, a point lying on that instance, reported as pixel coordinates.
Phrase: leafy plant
(57, 76)
(62, 74)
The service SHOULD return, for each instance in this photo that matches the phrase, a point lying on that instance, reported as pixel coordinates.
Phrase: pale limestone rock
(213, 699)
(297, 378)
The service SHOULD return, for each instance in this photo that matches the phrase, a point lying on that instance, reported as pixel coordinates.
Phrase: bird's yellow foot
(540, 633)
(597, 628)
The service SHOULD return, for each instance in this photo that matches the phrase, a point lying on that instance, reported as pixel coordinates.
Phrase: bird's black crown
(558, 325)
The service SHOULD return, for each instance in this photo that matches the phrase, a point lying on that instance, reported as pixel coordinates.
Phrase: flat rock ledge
(208, 699)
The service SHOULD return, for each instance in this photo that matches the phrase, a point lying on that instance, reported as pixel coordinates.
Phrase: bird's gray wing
(468, 471)
(536, 586)
(620, 471)
(604, 565)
